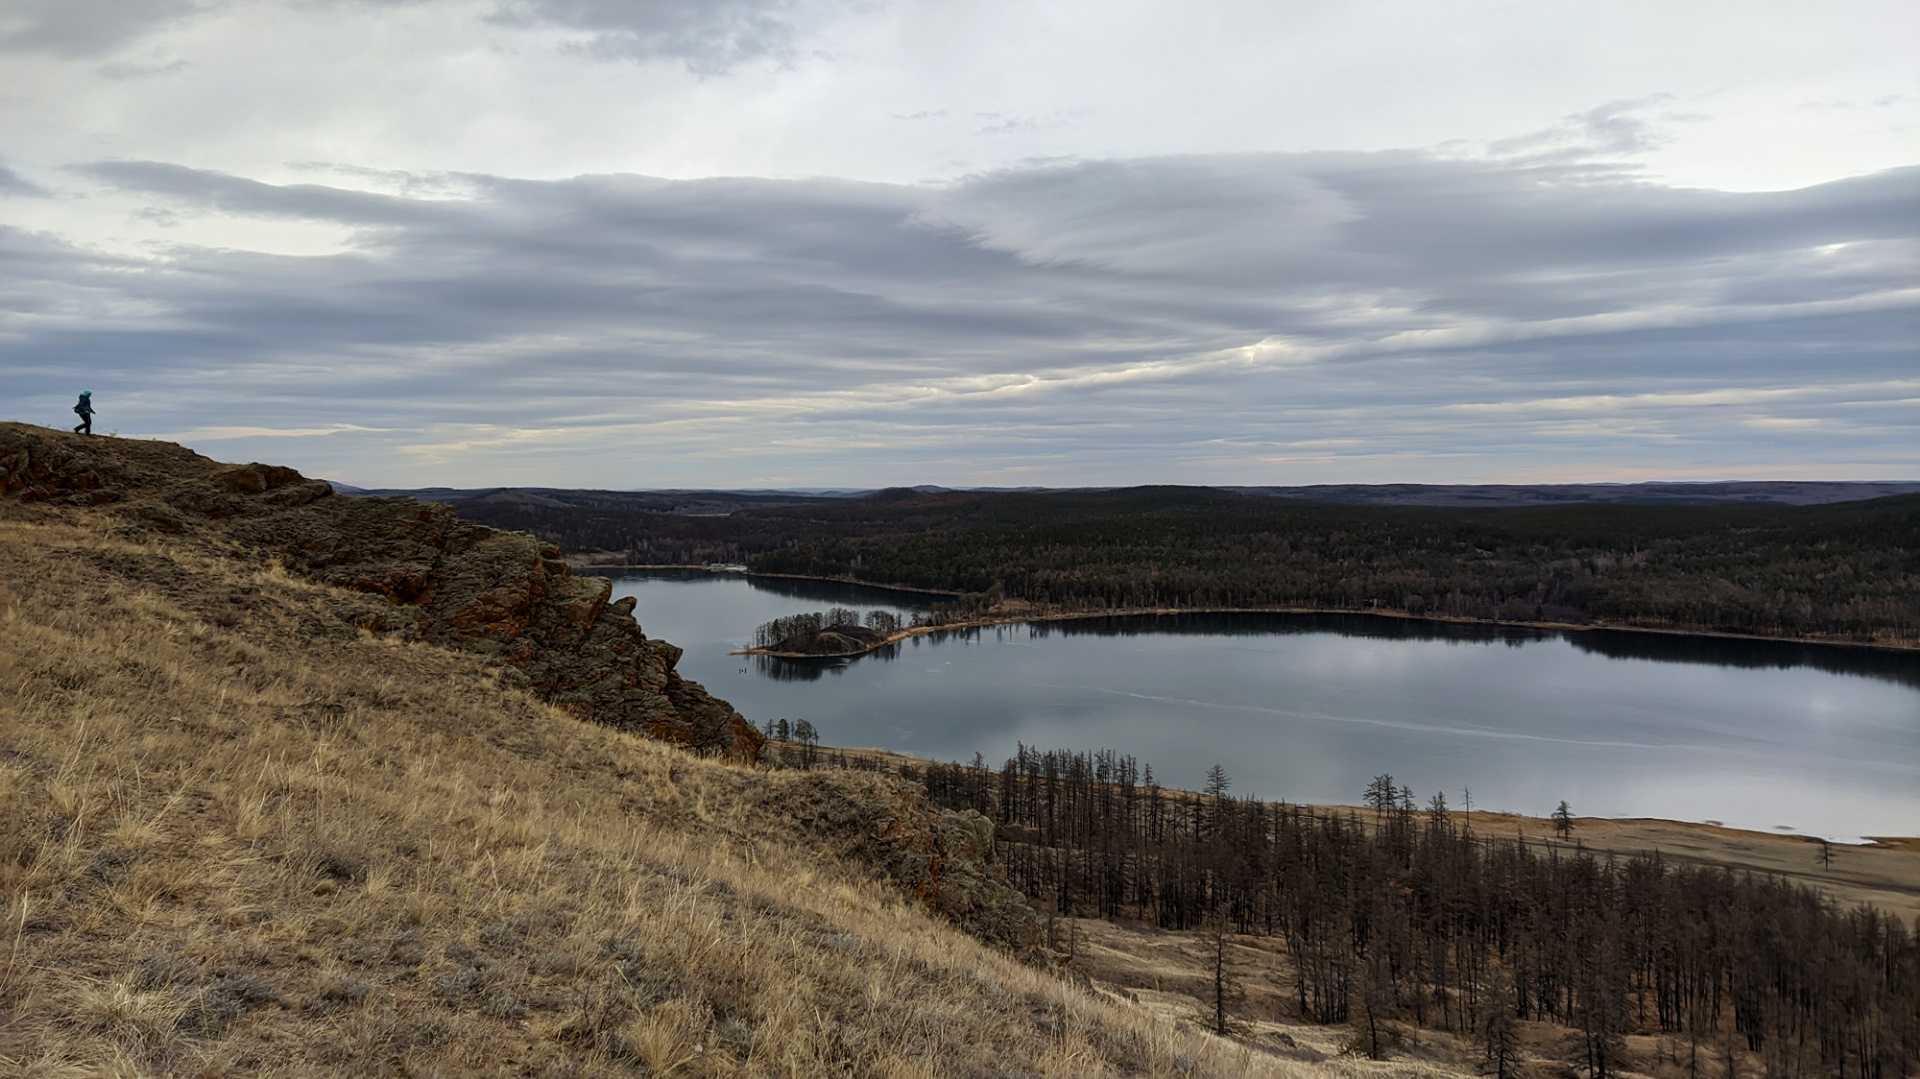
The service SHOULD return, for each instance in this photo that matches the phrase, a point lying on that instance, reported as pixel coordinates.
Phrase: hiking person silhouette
(85, 411)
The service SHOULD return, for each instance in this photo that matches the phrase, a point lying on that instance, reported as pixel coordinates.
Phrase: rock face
(503, 594)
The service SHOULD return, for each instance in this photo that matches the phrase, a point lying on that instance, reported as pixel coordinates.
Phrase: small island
(842, 632)
(832, 634)
(839, 632)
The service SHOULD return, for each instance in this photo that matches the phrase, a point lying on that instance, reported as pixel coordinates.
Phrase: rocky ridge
(503, 594)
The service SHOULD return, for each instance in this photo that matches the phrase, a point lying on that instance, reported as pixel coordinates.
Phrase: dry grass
(238, 837)
(1171, 974)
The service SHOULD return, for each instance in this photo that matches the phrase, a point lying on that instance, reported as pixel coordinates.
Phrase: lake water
(1811, 739)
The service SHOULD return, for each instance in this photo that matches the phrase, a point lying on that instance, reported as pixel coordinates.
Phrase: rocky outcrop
(503, 594)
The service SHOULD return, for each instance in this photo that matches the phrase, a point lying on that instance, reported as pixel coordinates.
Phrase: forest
(1404, 913)
(1845, 571)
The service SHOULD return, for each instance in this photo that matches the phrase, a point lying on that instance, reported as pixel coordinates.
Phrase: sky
(788, 243)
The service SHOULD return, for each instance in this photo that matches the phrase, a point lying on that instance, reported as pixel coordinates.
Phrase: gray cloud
(998, 123)
(708, 36)
(125, 70)
(1608, 131)
(12, 183)
(1254, 318)
(77, 28)
(237, 195)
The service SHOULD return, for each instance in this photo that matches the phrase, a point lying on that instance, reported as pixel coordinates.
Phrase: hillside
(268, 810)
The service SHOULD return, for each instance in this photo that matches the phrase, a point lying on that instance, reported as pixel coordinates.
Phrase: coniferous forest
(1845, 571)
(1406, 912)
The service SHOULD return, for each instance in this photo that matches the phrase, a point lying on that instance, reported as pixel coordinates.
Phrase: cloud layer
(1246, 318)
(746, 242)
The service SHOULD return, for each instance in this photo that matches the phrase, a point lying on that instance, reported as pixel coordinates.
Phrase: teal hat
(86, 393)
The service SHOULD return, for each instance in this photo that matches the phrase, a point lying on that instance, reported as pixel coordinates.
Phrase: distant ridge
(1780, 492)
(722, 500)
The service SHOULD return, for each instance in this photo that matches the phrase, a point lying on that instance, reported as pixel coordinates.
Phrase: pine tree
(1227, 989)
(1217, 782)
(1563, 820)
(1498, 1029)
(805, 734)
(1381, 793)
(1375, 985)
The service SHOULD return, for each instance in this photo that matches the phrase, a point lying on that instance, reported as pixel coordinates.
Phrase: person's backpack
(80, 409)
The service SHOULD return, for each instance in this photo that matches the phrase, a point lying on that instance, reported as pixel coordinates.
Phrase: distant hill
(1780, 492)
(703, 502)
(1725, 558)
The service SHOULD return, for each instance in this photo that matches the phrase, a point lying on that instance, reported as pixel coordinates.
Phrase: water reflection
(1734, 652)
(1268, 625)
(1310, 707)
(1900, 667)
(812, 670)
(836, 594)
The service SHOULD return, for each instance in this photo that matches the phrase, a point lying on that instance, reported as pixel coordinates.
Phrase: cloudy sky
(866, 242)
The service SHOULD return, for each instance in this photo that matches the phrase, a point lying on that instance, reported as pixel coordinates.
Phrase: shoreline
(1882, 870)
(1138, 612)
(1743, 833)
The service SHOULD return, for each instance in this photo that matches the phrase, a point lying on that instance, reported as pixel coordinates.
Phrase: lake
(1772, 736)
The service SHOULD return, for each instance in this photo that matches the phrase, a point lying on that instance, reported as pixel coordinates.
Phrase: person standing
(85, 411)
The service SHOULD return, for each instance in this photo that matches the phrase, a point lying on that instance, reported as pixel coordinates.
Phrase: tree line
(1847, 571)
(1403, 912)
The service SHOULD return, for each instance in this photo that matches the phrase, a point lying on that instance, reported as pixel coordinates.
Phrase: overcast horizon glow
(766, 243)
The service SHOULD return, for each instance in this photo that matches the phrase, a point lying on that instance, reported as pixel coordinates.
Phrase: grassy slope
(236, 835)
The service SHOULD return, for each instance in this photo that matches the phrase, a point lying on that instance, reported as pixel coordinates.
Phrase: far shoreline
(1138, 612)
